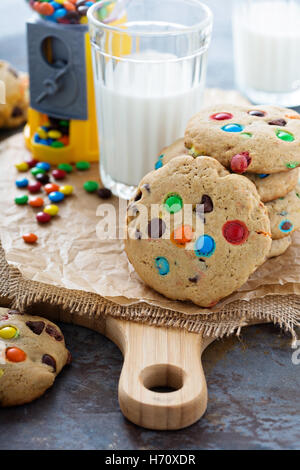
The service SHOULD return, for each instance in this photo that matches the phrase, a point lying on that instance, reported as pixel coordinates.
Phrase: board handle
(156, 357)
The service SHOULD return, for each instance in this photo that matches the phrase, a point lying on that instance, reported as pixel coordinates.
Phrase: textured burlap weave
(75, 306)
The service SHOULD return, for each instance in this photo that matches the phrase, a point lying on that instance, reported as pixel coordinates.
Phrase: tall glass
(149, 72)
(266, 48)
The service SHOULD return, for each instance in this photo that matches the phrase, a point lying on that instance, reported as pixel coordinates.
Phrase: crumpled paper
(70, 254)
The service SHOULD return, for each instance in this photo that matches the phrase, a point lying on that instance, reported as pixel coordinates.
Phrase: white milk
(267, 45)
(144, 108)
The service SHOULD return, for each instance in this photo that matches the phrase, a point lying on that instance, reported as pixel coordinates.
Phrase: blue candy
(36, 138)
(233, 128)
(89, 4)
(22, 183)
(43, 142)
(158, 164)
(205, 246)
(55, 5)
(56, 196)
(263, 175)
(60, 13)
(43, 166)
(162, 265)
(286, 226)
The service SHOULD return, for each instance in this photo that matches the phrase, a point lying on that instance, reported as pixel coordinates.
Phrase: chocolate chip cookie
(256, 139)
(269, 186)
(279, 247)
(32, 353)
(196, 232)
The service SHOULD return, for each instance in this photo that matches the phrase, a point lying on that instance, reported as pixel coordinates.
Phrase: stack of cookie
(261, 143)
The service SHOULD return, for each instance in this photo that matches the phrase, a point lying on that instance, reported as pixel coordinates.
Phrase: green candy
(246, 135)
(83, 165)
(65, 167)
(64, 123)
(21, 200)
(298, 195)
(173, 203)
(35, 171)
(284, 135)
(292, 165)
(57, 144)
(91, 186)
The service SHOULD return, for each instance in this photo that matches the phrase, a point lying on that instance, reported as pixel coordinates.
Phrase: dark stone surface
(253, 391)
(252, 383)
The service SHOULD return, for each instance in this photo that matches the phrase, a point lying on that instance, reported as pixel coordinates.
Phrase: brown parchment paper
(70, 254)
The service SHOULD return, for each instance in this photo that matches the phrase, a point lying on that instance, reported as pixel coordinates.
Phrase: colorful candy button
(22, 183)
(67, 189)
(35, 171)
(158, 165)
(246, 135)
(34, 188)
(156, 228)
(65, 167)
(51, 187)
(83, 165)
(42, 178)
(43, 217)
(235, 232)
(257, 113)
(162, 265)
(263, 175)
(59, 174)
(278, 122)
(284, 135)
(30, 238)
(43, 166)
(51, 209)
(54, 134)
(292, 165)
(173, 203)
(8, 332)
(22, 166)
(104, 193)
(221, 116)
(15, 355)
(182, 235)
(36, 202)
(286, 226)
(205, 246)
(233, 128)
(57, 144)
(240, 162)
(31, 162)
(91, 186)
(42, 133)
(56, 196)
(21, 200)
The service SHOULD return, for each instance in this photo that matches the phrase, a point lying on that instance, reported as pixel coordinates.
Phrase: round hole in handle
(162, 378)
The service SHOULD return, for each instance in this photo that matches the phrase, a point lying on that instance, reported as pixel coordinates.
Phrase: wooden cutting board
(158, 357)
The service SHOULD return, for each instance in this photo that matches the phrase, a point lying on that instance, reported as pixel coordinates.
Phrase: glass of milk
(149, 71)
(267, 50)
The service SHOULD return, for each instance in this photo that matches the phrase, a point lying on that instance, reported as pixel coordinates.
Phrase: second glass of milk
(149, 72)
(267, 50)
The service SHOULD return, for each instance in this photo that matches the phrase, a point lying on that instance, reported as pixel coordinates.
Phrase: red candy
(43, 217)
(59, 174)
(34, 188)
(221, 116)
(31, 162)
(235, 232)
(240, 162)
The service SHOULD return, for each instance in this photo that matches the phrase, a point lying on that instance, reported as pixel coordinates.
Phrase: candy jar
(62, 116)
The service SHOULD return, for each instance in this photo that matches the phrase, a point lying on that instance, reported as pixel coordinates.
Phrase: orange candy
(293, 116)
(46, 9)
(36, 202)
(69, 6)
(182, 235)
(30, 238)
(51, 187)
(15, 355)
(65, 140)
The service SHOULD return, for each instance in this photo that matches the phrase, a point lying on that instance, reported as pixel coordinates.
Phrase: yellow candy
(66, 190)
(8, 332)
(54, 134)
(51, 209)
(83, 20)
(42, 133)
(23, 166)
(1, 372)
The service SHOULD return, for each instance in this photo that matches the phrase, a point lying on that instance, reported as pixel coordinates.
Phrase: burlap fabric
(75, 306)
